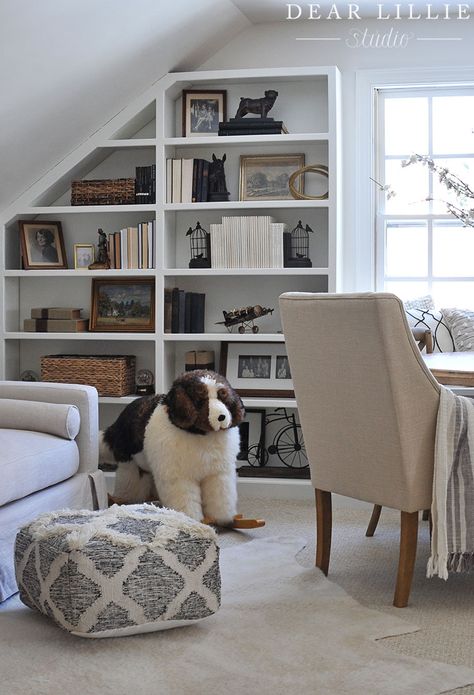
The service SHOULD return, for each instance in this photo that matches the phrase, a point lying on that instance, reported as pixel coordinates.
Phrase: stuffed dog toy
(182, 447)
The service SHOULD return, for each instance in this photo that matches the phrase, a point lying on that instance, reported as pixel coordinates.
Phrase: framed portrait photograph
(257, 369)
(84, 255)
(202, 111)
(42, 245)
(123, 305)
(265, 177)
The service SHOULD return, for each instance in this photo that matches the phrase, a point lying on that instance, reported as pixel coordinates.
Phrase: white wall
(275, 45)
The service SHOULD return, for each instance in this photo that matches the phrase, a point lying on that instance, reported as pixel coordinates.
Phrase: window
(420, 247)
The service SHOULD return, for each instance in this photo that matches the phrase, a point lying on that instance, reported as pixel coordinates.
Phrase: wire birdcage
(298, 256)
(200, 246)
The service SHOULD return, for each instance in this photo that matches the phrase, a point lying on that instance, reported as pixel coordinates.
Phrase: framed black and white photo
(252, 429)
(257, 369)
(42, 245)
(266, 177)
(203, 110)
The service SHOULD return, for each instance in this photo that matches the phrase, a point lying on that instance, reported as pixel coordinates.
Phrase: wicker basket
(112, 375)
(103, 192)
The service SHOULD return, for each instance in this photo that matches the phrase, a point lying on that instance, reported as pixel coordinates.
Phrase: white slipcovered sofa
(48, 458)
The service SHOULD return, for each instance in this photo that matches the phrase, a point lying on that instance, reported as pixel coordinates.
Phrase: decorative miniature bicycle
(287, 443)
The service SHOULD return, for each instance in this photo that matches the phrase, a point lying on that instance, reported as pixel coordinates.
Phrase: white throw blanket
(452, 510)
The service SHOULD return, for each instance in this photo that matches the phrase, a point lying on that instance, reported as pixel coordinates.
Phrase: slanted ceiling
(68, 66)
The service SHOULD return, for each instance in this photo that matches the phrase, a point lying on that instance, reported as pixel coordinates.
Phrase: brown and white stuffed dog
(182, 446)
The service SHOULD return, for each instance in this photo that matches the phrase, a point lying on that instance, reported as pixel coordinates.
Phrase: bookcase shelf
(148, 132)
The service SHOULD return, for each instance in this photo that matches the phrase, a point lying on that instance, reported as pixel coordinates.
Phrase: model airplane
(244, 316)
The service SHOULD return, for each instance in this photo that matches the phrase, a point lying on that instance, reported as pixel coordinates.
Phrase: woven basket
(103, 192)
(112, 375)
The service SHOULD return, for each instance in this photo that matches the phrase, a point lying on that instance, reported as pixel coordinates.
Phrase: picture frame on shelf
(251, 431)
(123, 305)
(255, 368)
(203, 110)
(266, 177)
(42, 245)
(84, 255)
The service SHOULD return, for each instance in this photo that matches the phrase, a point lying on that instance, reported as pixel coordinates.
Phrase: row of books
(187, 180)
(247, 242)
(55, 320)
(145, 184)
(133, 247)
(183, 311)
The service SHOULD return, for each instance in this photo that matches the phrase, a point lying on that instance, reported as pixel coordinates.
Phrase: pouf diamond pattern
(120, 571)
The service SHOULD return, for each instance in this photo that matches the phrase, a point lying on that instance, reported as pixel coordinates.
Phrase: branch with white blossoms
(387, 189)
(452, 183)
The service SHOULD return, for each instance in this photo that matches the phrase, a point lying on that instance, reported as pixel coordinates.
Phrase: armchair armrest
(85, 398)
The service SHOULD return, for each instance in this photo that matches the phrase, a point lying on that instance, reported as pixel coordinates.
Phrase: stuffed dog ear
(181, 409)
(232, 400)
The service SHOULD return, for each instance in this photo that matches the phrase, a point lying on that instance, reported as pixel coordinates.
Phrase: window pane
(406, 249)
(453, 123)
(453, 250)
(464, 169)
(406, 125)
(453, 294)
(407, 290)
(410, 185)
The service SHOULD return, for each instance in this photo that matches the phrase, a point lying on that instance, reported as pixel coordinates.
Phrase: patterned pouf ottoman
(120, 571)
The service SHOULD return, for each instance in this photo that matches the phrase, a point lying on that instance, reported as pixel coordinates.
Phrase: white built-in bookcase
(148, 132)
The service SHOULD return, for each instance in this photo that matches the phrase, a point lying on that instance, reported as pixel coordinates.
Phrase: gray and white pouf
(119, 571)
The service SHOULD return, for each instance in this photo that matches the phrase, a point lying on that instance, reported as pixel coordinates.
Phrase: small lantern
(296, 247)
(200, 244)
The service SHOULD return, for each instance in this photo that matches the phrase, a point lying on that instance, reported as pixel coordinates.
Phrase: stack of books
(183, 311)
(252, 126)
(187, 180)
(56, 320)
(247, 242)
(145, 184)
(133, 247)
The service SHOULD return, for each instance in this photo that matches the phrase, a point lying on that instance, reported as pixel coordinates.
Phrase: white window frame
(368, 82)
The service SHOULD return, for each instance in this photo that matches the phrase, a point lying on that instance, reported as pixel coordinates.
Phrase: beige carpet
(282, 629)
(366, 569)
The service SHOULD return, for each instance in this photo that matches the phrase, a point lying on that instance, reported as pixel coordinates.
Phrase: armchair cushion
(461, 324)
(33, 461)
(436, 322)
(58, 419)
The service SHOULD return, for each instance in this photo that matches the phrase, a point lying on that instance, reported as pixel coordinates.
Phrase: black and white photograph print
(266, 177)
(202, 112)
(42, 245)
(282, 367)
(254, 366)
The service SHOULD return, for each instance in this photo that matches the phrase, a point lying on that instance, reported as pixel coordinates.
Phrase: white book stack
(247, 242)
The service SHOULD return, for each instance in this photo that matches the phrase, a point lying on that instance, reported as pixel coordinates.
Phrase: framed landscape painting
(265, 177)
(123, 305)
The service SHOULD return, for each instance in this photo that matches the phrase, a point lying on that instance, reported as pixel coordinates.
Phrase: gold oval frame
(315, 169)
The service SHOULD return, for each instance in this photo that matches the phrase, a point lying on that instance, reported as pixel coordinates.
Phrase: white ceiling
(68, 66)
(258, 11)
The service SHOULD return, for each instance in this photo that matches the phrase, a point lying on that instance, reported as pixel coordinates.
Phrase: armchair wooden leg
(374, 520)
(406, 563)
(323, 529)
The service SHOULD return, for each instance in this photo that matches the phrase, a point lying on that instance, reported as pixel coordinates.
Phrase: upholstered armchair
(368, 408)
(48, 458)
